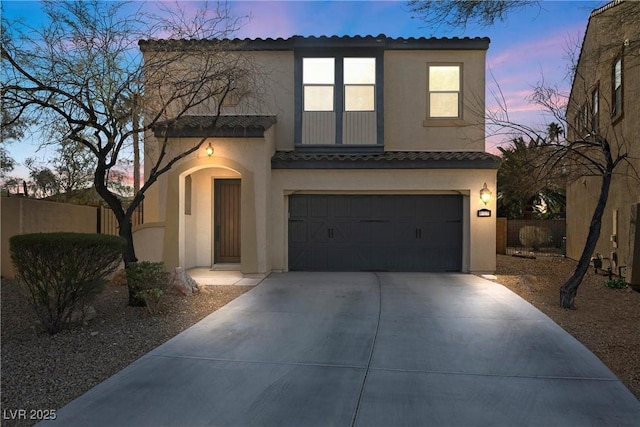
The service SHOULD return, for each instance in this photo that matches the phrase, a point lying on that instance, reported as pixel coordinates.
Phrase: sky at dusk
(532, 44)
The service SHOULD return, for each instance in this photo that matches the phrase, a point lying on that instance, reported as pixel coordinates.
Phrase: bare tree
(459, 13)
(82, 69)
(584, 153)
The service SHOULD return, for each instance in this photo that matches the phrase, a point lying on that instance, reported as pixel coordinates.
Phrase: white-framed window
(617, 88)
(318, 80)
(595, 108)
(359, 84)
(444, 86)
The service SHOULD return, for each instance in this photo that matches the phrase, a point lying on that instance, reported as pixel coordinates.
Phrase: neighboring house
(369, 155)
(605, 101)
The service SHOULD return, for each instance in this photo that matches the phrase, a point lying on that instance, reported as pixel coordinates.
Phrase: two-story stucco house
(605, 101)
(370, 155)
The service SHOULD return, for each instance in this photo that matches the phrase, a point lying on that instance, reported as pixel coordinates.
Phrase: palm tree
(554, 130)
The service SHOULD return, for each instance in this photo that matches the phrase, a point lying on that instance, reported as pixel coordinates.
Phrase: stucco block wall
(148, 241)
(22, 216)
(479, 234)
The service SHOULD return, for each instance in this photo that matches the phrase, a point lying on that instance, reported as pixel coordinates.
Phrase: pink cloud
(276, 20)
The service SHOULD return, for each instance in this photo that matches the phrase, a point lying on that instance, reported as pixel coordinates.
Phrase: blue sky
(530, 45)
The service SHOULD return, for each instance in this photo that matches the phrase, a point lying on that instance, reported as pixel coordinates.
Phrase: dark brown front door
(226, 220)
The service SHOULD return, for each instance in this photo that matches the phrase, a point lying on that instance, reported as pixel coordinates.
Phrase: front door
(226, 218)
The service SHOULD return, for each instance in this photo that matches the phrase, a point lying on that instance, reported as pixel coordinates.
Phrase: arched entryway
(209, 216)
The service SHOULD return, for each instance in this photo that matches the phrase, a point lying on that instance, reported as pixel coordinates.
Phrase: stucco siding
(405, 94)
(612, 34)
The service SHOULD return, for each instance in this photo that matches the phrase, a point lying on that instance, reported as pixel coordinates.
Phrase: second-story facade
(605, 103)
(344, 153)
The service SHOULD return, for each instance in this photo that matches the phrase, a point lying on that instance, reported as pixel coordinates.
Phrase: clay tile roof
(225, 126)
(294, 42)
(387, 159)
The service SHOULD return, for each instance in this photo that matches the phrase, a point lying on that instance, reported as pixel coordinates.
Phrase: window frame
(595, 109)
(445, 121)
(331, 85)
(358, 85)
(617, 93)
(339, 96)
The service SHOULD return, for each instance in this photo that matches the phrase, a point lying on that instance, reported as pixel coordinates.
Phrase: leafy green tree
(6, 162)
(527, 186)
(44, 182)
(11, 129)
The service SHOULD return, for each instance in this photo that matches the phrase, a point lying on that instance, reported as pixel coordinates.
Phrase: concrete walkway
(364, 349)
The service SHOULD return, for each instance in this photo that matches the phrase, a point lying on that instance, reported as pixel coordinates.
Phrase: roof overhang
(215, 126)
(304, 42)
(386, 160)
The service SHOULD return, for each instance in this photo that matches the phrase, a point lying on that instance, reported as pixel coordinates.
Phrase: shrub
(146, 282)
(62, 272)
(534, 237)
(618, 283)
(151, 299)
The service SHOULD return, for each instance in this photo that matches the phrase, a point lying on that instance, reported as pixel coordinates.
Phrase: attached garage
(375, 233)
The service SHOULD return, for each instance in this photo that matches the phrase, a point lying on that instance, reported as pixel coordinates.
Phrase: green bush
(62, 272)
(618, 283)
(146, 282)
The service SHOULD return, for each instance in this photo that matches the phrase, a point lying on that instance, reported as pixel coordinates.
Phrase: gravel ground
(41, 372)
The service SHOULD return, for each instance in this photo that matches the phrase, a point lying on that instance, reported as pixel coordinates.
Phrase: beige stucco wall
(611, 34)
(187, 239)
(479, 233)
(23, 216)
(618, 220)
(148, 240)
(405, 99)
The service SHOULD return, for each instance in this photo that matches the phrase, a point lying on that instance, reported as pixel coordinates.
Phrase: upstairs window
(359, 84)
(617, 88)
(339, 99)
(444, 91)
(318, 82)
(595, 107)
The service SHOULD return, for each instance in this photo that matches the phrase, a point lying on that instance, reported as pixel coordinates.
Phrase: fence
(538, 237)
(107, 223)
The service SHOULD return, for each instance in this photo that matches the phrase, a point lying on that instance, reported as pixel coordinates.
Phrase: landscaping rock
(181, 283)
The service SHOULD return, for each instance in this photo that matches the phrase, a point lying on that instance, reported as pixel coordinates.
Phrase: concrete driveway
(364, 349)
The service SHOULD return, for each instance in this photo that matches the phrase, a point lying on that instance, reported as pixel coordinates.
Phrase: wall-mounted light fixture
(209, 151)
(485, 194)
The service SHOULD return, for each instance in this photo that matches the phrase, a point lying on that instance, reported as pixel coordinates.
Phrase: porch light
(209, 151)
(485, 194)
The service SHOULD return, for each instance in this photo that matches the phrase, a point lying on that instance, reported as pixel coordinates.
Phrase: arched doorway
(209, 219)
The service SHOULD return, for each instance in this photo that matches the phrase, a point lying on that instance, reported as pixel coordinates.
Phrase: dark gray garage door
(380, 233)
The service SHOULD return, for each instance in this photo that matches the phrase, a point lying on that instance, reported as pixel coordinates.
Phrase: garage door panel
(317, 232)
(298, 231)
(390, 233)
